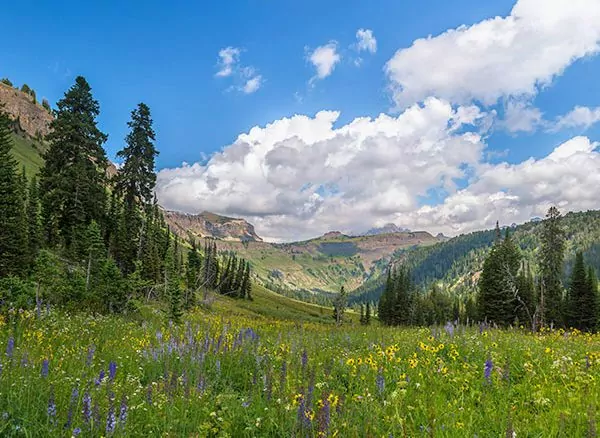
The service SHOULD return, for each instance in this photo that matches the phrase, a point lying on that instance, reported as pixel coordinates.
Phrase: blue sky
(167, 55)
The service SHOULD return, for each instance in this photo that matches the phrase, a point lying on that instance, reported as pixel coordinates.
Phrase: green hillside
(456, 263)
(314, 269)
(28, 154)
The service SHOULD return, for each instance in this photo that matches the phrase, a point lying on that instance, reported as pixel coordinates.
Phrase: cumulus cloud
(246, 78)
(324, 59)
(521, 116)
(298, 177)
(579, 117)
(499, 57)
(568, 177)
(366, 41)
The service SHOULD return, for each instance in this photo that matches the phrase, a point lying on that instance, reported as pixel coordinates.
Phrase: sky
(307, 117)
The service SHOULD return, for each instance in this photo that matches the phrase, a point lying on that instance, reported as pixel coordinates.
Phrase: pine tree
(386, 301)
(498, 285)
(34, 232)
(247, 283)
(362, 314)
(551, 267)
(11, 202)
(526, 295)
(593, 301)
(339, 306)
(368, 314)
(73, 178)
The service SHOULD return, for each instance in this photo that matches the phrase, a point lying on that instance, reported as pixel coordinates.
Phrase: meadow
(229, 371)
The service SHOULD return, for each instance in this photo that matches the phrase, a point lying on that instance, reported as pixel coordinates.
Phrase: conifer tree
(582, 299)
(34, 235)
(247, 283)
(339, 306)
(11, 202)
(172, 286)
(551, 267)
(72, 180)
(498, 282)
(368, 314)
(362, 314)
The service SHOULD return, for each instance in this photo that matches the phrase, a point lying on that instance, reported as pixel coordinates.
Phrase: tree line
(77, 237)
(510, 292)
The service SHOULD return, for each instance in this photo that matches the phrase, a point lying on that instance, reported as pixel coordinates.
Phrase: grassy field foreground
(232, 372)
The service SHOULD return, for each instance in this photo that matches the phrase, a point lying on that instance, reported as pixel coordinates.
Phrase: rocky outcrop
(33, 119)
(208, 224)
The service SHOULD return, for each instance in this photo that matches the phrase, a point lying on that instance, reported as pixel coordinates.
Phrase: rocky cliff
(33, 119)
(208, 224)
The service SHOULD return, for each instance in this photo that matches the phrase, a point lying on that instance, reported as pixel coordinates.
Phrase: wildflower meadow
(233, 375)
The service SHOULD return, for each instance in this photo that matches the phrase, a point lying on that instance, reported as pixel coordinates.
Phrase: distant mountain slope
(386, 229)
(324, 264)
(457, 262)
(208, 224)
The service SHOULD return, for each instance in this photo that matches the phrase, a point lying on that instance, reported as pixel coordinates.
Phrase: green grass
(237, 370)
(27, 155)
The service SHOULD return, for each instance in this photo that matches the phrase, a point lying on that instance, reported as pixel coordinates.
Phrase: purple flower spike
(487, 369)
(45, 364)
(10, 346)
(112, 370)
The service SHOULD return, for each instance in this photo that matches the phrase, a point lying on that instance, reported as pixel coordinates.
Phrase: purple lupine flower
(245, 404)
(380, 381)
(45, 364)
(324, 417)
(90, 356)
(87, 407)
(123, 412)
(449, 327)
(304, 360)
(77, 431)
(218, 366)
(51, 407)
(100, 378)
(111, 420)
(487, 369)
(10, 346)
(303, 419)
(112, 370)
(72, 403)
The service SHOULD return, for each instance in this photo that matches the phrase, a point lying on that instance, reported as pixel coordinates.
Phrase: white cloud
(298, 177)
(228, 58)
(499, 57)
(520, 116)
(324, 58)
(252, 84)
(578, 117)
(366, 41)
(246, 77)
(568, 177)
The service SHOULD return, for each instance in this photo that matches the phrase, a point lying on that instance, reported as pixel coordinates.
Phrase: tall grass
(231, 375)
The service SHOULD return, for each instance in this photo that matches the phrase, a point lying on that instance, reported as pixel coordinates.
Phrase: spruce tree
(34, 237)
(11, 202)
(339, 306)
(247, 283)
(498, 284)
(172, 286)
(73, 178)
(368, 314)
(551, 267)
